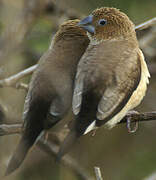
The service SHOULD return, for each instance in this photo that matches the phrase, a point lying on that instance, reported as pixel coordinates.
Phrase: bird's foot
(129, 122)
(45, 136)
(93, 132)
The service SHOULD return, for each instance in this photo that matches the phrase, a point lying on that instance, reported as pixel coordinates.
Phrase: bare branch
(146, 24)
(140, 117)
(22, 86)
(48, 147)
(98, 173)
(146, 42)
(15, 37)
(9, 129)
(151, 177)
(12, 80)
(52, 150)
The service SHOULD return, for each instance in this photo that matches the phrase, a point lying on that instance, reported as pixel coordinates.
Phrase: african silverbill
(112, 75)
(51, 87)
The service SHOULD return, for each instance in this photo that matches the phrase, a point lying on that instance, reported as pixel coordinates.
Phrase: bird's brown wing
(35, 85)
(26, 107)
(83, 76)
(78, 91)
(117, 95)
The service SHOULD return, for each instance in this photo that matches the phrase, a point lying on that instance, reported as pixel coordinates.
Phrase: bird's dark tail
(34, 124)
(31, 132)
(21, 151)
(69, 141)
(18, 156)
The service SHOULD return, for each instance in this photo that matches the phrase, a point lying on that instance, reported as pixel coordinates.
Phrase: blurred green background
(120, 155)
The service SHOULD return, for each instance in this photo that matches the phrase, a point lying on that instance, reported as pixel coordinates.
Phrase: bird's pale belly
(136, 97)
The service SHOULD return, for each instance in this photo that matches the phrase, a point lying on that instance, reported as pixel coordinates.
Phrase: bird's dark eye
(102, 22)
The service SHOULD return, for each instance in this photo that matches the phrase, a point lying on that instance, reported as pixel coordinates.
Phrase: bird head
(69, 30)
(107, 23)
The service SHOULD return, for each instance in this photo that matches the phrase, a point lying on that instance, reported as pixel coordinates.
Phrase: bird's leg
(45, 136)
(93, 132)
(130, 129)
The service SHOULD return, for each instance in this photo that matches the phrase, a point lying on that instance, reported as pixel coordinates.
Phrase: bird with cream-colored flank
(50, 91)
(112, 75)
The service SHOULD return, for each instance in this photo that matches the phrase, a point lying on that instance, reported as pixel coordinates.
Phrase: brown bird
(112, 75)
(51, 88)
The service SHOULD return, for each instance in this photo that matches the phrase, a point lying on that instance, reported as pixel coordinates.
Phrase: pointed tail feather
(18, 156)
(21, 151)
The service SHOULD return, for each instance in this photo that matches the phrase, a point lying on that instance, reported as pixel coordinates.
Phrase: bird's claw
(45, 137)
(130, 129)
(93, 132)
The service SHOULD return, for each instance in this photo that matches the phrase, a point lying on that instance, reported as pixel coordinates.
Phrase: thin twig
(140, 117)
(8, 129)
(48, 147)
(151, 176)
(12, 80)
(52, 149)
(98, 173)
(22, 86)
(146, 41)
(146, 24)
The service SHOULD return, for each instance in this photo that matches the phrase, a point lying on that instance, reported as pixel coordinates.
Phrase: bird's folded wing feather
(29, 99)
(78, 91)
(116, 96)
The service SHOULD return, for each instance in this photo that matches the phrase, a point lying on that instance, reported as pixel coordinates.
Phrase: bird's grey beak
(86, 24)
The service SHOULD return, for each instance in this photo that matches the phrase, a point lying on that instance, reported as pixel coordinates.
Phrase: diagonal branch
(139, 117)
(146, 42)
(13, 80)
(98, 173)
(67, 161)
(48, 147)
(8, 129)
(52, 149)
(146, 24)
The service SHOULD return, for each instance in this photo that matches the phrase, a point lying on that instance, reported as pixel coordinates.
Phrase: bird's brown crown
(117, 24)
(69, 30)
